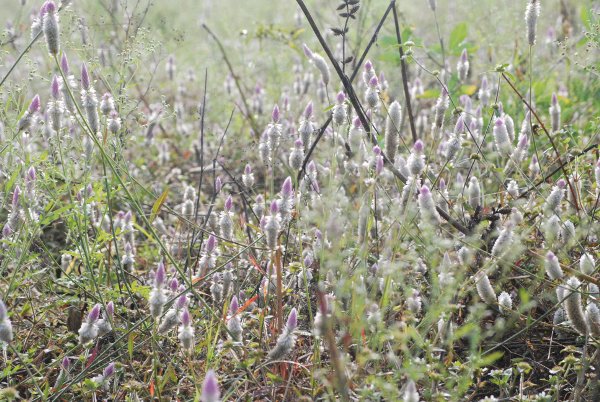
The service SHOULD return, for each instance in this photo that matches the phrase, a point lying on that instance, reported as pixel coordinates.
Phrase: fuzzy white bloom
(410, 393)
(554, 199)
(462, 67)
(551, 228)
(573, 307)
(501, 138)
(392, 129)
(474, 193)
(339, 110)
(485, 289)
(234, 325)
(287, 339)
(567, 232)
(505, 302)
(532, 13)
(6, 331)
(372, 93)
(555, 113)
(592, 317)
(513, 189)
(186, 331)
(416, 159)
(552, 266)
(429, 214)
(413, 302)
(597, 175)
(504, 240)
(319, 62)
(440, 109)
(484, 92)
(587, 264)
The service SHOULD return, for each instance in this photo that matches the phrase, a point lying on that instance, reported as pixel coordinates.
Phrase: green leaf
(457, 36)
(158, 204)
(130, 345)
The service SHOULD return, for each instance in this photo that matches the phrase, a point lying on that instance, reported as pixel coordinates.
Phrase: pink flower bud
(418, 147)
(210, 388)
(64, 64)
(308, 111)
(292, 321)
(159, 275)
(233, 307)
(274, 208)
(109, 371)
(307, 51)
(186, 319)
(85, 77)
(110, 309)
(94, 313)
(340, 98)
(55, 88)
(228, 203)
(211, 243)
(287, 188)
(275, 115)
(181, 302)
(34, 106)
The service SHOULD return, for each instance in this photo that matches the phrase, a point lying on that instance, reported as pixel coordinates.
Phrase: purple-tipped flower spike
(35, 104)
(463, 56)
(233, 306)
(228, 203)
(210, 388)
(173, 284)
(308, 111)
(109, 371)
(16, 195)
(418, 147)
(286, 188)
(110, 309)
(298, 143)
(561, 183)
(554, 99)
(31, 174)
(160, 275)
(85, 77)
(211, 243)
(377, 150)
(460, 125)
(64, 64)
(425, 192)
(368, 65)
(181, 302)
(248, 169)
(50, 27)
(66, 363)
(374, 82)
(307, 51)
(357, 123)
(275, 115)
(55, 88)
(94, 313)
(292, 321)
(218, 185)
(274, 208)
(186, 319)
(340, 97)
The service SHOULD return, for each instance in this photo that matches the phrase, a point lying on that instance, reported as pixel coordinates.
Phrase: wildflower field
(298, 200)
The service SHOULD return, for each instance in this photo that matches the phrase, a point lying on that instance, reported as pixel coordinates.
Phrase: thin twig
(411, 118)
